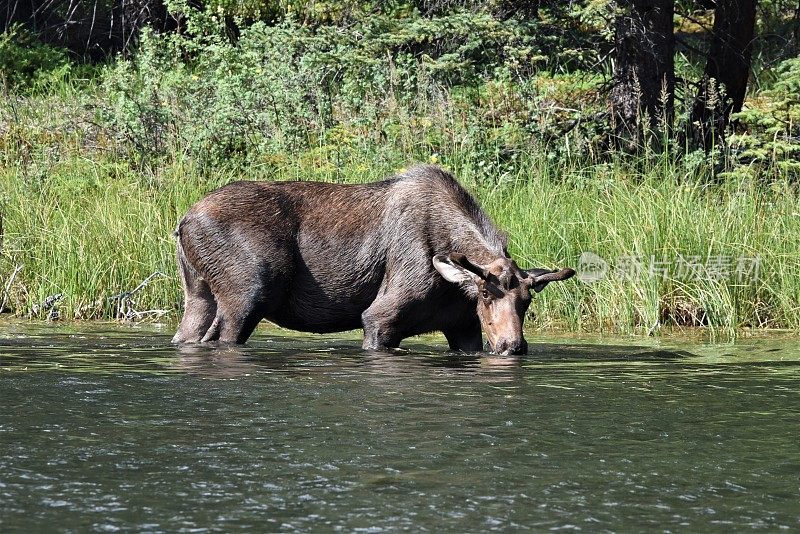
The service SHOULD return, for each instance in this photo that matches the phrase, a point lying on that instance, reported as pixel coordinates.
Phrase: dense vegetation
(535, 106)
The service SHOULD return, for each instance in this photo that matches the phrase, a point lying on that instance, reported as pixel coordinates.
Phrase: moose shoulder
(408, 255)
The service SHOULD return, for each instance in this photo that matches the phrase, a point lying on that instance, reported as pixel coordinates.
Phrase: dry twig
(8, 287)
(125, 302)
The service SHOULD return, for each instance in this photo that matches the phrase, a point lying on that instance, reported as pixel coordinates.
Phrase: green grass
(91, 231)
(85, 218)
(659, 218)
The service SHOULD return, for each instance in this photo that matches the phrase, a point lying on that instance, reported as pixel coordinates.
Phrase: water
(110, 428)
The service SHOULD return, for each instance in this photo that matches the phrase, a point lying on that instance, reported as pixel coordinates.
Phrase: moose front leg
(465, 338)
(382, 324)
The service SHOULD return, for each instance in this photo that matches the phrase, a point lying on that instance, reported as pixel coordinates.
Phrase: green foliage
(771, 124)
(94, 229)
(94, 176)
(281, 87)
(227, 103)
(273, 11)
(26, 63)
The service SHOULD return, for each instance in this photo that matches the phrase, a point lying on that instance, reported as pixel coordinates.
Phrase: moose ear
(457, 268)
(539, 278)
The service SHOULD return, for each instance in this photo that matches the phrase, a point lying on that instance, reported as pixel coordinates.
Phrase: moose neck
(472, 233)
(479, 248)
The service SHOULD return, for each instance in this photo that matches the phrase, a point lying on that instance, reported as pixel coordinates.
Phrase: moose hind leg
(236, 319)
(198, 316)
(244, 295)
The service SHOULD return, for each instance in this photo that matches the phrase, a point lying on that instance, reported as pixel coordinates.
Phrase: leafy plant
(26, 63)
(771, 124)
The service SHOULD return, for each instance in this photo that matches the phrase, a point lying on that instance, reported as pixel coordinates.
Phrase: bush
(771, 124)
(281, 87)
(26, 63)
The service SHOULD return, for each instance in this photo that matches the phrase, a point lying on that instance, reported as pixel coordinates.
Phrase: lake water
(107, 428)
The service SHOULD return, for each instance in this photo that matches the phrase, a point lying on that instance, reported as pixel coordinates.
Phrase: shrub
(771, 124)
(26, 63)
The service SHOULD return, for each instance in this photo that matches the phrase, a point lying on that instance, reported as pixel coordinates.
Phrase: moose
(411, 254)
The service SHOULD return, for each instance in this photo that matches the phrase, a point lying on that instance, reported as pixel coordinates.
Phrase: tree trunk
(797, 22)
(642, 98)
(724, 83)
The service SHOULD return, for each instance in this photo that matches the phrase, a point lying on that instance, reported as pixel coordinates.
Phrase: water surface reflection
(112, 428)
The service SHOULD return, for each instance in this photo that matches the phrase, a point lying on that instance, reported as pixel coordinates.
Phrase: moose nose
(506, 347)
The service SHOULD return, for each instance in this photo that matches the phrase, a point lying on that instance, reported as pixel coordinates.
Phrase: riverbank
(98, 165)
(652, 246)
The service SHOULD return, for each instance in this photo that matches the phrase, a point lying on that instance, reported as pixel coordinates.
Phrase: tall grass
(88, 221)
(90, 232)
(723, 255)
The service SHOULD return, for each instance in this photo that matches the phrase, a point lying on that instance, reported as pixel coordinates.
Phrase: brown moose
(404, 256)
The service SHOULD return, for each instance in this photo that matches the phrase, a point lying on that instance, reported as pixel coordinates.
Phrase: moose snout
(507, 347)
